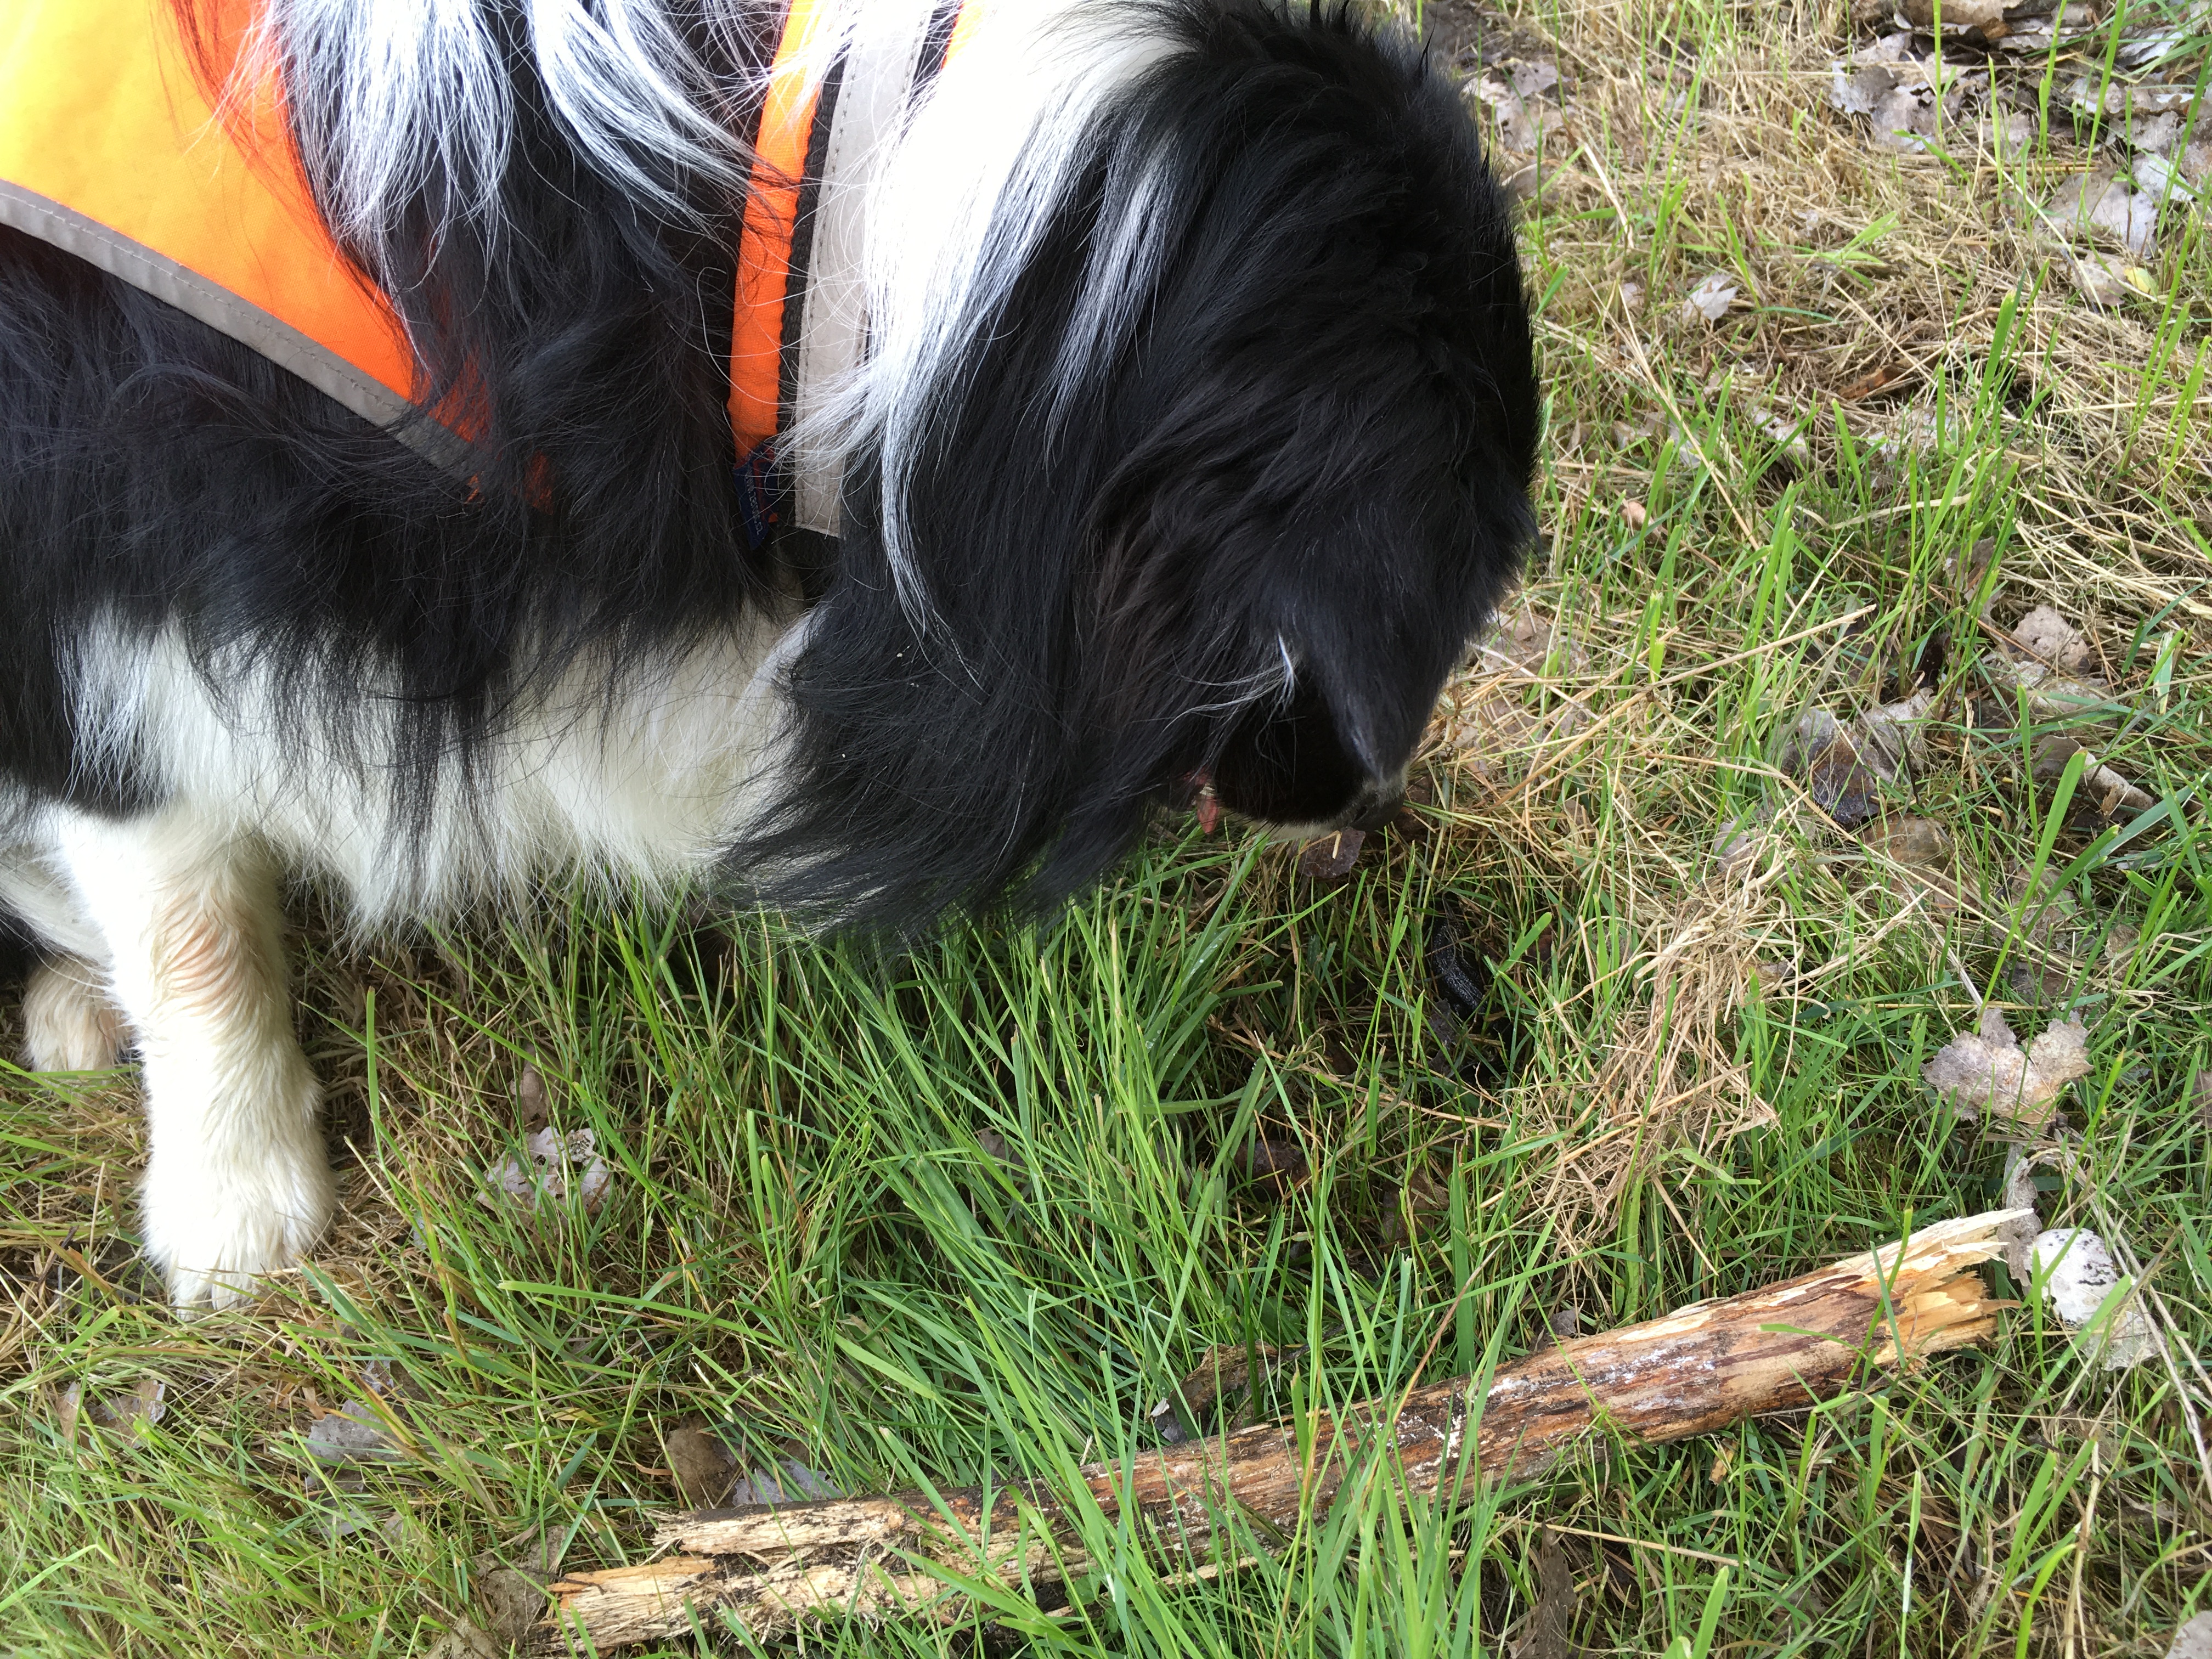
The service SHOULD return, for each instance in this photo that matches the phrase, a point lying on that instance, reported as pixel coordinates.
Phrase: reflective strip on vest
(111, 150)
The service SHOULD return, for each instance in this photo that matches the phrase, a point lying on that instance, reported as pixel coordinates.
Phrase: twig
(770, 1571)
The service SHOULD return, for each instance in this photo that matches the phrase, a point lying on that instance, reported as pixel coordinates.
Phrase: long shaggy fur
(1190, 450)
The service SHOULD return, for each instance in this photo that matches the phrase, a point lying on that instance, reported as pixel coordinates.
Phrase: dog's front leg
(237, 1184)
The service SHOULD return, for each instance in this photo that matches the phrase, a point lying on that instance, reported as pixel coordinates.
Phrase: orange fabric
(771, 218)
(102, 112)
(963, 27)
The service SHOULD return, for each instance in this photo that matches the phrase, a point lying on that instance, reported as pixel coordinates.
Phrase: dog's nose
(1376, 807)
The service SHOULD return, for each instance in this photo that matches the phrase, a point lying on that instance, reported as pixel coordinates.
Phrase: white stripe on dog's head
(961, 205)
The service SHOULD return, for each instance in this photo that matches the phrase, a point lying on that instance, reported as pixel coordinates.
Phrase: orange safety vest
(112, 149)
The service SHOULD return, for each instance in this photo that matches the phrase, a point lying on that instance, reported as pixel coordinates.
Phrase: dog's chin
(1376, 805)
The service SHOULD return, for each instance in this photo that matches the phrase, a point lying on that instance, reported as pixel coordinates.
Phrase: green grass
(968, 1215)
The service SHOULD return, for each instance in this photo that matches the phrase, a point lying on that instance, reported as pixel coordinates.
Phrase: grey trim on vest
(833, 329)
(241, 320)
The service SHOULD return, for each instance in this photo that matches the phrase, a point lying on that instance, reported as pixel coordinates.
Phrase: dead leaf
(2077, 1275)
(1282, 1161)
(1525, 120)
(530, 1097)
(703, 1467)
(558, 1164)
(2137, 102)
(1532, 79)
(128, 1416)
(1910, 840)
(1874, 380)
(464, 1641)
(2108, 281)
(1892, 738)
(1526, 640)
(2050, 915)
(2161, 180)
(510, 1603)
(353, 1434)
(69, 1404)
(2051, 693)
(1425, 1194)
(2193, 1640)
(2202, 1089)
(1987, 1071)
(1724, 1461)
(1549, 1633)
(2007, 133)
(1979, 22)
(1708, 301)
(2100, 787)
(1859, 91)
(1834, 763)
(1745, 840)
(535, 1552)
(1330, 858)
(2100, 207)
(1787, 430)
(1000, 1152)
(1225, 1371)
(2021, 1224)
(1903, 120)
(2046, 634)
(387, 1376)
(2154, 138)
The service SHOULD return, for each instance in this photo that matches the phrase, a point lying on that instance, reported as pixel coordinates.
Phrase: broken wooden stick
(1698, 1369)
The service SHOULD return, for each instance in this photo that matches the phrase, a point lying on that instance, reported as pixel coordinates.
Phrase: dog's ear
(1213, 461)
(1349, 616)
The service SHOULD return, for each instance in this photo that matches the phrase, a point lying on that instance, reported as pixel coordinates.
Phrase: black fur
(1320, 431)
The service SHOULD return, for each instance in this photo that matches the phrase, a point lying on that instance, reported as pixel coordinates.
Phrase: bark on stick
(1697, 1369)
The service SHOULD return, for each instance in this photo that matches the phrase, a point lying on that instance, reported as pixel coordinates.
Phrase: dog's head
(1205, 475)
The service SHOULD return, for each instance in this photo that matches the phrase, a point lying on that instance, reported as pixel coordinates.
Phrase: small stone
(2193, 1640)
(2078, 1274)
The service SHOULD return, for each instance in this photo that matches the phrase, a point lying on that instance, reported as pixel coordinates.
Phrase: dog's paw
(214, 1225)
(69, 1024)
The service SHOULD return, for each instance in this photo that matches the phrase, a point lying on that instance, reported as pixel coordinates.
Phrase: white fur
(961, 202)
(175, 917)
(649, 782)
(420, 92)
(236, 1183)
(69, 1024)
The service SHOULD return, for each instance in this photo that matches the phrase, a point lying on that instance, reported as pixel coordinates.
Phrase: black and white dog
(1188, 450)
